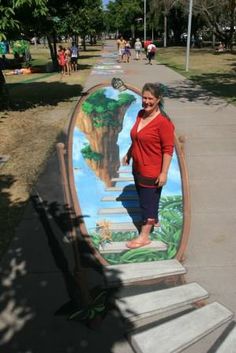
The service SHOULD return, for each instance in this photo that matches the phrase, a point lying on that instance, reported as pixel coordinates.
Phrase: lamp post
(145, 20)
(189, 33)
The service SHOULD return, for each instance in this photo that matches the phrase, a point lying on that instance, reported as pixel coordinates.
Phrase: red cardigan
(150, 143)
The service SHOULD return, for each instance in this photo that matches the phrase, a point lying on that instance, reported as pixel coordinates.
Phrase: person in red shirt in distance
(151, 151)
(146, 44)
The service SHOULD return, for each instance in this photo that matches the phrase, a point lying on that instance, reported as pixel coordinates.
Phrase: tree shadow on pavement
(84, 67)
(41, 306)
(205, 89)
(36, 94)
(220, 84)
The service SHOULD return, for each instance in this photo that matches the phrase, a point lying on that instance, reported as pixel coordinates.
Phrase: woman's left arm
(167, 145)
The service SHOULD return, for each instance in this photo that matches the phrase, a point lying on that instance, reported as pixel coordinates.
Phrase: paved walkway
(36, 287)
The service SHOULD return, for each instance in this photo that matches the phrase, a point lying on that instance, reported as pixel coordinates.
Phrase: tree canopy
(163, 16)
(11, 14)
(49, 17)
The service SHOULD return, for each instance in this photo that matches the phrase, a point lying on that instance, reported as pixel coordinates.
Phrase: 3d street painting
(103, 191)
(107, 68)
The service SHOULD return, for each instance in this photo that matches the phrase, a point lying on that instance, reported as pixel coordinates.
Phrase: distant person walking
(74, 57)
(127, 53)
(121, 48)
(151, 51)
(138, 49)
(145, 45)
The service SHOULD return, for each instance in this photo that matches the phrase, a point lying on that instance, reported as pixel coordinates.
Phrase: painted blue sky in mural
(105, 2)
(90, 189)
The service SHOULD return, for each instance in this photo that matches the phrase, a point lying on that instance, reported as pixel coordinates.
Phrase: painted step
(121, 179)
(121, 188)
(125, 171)
(229, 343)
(119, 210)
(187, 329)
(120, 198)
(156, 305)
(128, 274)
(119, 246)
(123, 227)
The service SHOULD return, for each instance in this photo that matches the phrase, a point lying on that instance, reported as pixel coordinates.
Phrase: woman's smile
(149, 102)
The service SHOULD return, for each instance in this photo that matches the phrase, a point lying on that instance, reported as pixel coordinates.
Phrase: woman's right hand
(125, 160)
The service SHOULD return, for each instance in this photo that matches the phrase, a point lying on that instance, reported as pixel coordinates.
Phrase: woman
(68, 60)
(61, 59)
(151, 151)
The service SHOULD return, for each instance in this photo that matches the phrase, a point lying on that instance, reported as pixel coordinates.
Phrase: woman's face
(149, 102)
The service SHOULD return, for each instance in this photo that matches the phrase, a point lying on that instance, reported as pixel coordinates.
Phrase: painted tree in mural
(104, 111)
(101, 120)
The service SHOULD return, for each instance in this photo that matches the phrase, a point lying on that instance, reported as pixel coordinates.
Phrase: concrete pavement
(36, 285)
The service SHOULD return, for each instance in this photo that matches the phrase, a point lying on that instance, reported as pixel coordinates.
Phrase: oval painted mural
(103, 192)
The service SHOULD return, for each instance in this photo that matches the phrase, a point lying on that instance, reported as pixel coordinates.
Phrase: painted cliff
(101, 120)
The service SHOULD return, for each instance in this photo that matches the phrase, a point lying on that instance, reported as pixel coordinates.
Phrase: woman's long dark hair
(157, 90)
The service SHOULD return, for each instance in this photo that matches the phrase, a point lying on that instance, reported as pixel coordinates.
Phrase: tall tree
(122, 15)
(9, 22)
(220, 16)
(163, 6)
(86, 20)
(8, 16)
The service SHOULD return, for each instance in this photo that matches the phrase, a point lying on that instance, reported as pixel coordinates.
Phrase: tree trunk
(165, 31)
(132, 31)
(4, 93)
(53, 51)
(232, 20)
(84, 43)
(213, 40)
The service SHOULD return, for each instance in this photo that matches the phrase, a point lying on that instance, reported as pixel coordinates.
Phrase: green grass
(29, 129)
(214, 72)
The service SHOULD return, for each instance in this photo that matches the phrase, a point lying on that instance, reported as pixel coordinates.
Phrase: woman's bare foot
(137, 243)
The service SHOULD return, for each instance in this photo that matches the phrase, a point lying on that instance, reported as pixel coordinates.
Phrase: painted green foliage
(88, 153)
(171, 217)
(171, 214)
(103, 110)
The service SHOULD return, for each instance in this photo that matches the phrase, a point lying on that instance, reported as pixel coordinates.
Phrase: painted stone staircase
(171, 319)
(164, 320)
(132, 211)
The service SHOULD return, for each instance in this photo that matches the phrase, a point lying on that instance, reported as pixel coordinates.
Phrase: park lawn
(214, 72)
(41, 107)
